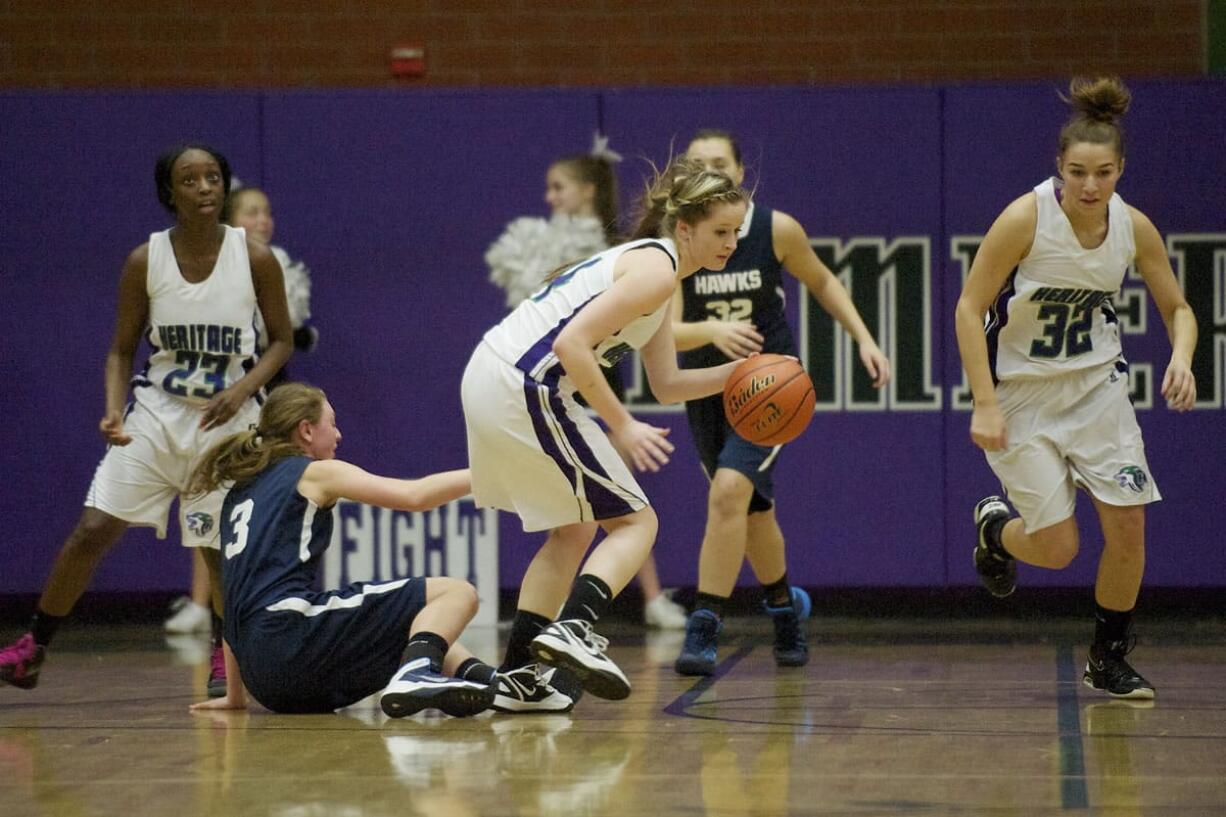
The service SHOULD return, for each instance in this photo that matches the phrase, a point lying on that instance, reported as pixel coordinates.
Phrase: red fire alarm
(408, 61)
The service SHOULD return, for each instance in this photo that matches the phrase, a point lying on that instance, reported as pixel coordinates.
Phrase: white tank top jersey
(1054, 315)
(203, 335)
(525, 337)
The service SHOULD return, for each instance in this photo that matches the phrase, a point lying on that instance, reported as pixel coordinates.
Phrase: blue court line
(1068, 720)
(683, 702)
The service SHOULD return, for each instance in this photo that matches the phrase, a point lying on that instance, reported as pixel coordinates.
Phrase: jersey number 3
(240, 517)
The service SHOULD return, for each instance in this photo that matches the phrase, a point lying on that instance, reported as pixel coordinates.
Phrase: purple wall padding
(392, 198)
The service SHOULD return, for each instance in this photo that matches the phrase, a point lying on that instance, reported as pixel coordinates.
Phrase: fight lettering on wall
(376, 544)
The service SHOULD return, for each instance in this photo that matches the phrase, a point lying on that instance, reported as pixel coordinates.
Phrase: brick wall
(330, 43)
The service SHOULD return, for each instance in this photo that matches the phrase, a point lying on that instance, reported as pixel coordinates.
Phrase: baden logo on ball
(769, 399)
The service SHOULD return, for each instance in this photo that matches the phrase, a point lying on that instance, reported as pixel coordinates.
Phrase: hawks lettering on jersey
(748, 288)
(723, 283)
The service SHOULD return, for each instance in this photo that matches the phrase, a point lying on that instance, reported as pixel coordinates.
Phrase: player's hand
(1179, 387)
(877, 364)
(224, 405)
(643, 446)
(736, 339)
(219, 703)
(988, 427)
(111, 427)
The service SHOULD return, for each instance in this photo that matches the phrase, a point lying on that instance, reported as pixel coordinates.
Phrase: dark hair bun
(1102, 99)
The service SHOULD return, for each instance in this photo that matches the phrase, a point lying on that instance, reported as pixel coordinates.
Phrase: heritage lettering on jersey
(201, 337)
(377, 544)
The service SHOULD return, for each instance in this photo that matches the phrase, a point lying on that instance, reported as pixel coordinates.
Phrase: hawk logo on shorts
(200, 523)
(1131, 477)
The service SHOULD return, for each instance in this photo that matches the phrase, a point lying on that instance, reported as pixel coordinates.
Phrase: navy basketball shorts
(721, 447)
(322, 651)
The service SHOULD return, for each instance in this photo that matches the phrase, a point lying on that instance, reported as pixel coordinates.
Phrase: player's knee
(459, 593)
(93, 536)
(571, 539)
(466, 595)
(649, 521)
(644, 519)
(1059, 550)
(1124, 527)
(1061, 555)
(729, 498)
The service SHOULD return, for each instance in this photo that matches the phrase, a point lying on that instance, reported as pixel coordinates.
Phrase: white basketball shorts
(534, 451)
(138, 482)
(1076, 430)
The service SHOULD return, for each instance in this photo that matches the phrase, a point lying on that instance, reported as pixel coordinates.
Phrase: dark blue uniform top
(272, 538)
(750, 287)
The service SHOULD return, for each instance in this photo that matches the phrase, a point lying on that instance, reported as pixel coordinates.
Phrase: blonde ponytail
(246, 454)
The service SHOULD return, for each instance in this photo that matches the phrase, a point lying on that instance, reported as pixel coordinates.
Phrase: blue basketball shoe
(791, 650)
(701, 640)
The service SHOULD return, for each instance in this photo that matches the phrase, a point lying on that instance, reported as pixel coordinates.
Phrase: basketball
(769, 399)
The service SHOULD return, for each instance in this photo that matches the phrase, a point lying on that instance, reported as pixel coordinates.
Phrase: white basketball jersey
(203, 335)
(1054, 314)
(525, 337)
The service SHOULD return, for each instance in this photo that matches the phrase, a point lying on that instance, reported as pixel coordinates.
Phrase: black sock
(1111, 629)
(778, 593)
(427, 645)
(474, 669)
(992, 532)
(589, 600)
(43, 626)
(524, 627)
(218, 630)
(707, 601)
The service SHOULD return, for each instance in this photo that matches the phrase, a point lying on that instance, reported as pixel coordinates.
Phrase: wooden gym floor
(912, 716)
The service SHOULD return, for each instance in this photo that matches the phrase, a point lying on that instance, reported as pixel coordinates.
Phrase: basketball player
(248, 207)
(712, 325)
(581, 191)
(1050, 383)
(534, 451)
(192, 291)
(300, 650)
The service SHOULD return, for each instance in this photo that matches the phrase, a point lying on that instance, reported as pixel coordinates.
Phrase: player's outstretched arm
(325, 481)
(796, 254)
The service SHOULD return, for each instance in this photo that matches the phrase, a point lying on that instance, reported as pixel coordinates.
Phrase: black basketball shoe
(997, 573)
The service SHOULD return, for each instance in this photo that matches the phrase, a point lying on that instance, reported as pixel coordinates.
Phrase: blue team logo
(200, 523)
(1132, 478)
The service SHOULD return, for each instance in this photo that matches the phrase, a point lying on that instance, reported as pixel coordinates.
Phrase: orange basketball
(769, 399)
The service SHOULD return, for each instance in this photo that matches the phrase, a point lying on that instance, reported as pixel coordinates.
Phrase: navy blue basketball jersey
(749, 287)
(271, 541)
